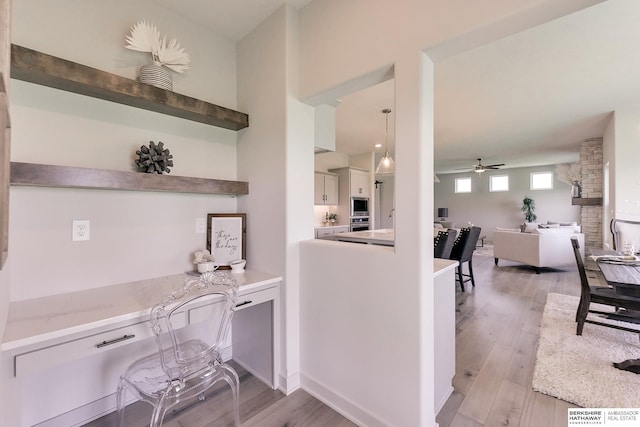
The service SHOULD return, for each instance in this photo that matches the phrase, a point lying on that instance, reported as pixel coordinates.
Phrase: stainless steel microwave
(359, 206)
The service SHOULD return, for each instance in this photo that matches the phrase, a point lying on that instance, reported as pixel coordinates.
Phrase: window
(463, 185)
(499, 183)
(541, 181)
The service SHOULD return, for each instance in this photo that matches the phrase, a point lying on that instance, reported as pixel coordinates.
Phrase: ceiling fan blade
(494, 166)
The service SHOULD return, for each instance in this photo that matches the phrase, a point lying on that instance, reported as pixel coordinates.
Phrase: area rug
(579, 369)
(486, 250)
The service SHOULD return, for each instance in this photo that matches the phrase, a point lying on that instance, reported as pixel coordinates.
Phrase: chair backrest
(584, 282)
(186, 351)
(465, 244)
(443, 243)
(625, 231)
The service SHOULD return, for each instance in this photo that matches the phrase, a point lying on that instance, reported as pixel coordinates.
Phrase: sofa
(543, 247)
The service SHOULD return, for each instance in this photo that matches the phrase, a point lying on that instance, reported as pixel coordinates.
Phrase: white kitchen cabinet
(359, 183)
(328, 233)
(325, 189)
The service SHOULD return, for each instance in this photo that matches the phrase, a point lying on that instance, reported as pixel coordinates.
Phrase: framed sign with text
(226, 237)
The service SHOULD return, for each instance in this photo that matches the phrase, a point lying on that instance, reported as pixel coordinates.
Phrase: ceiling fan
(479, 168)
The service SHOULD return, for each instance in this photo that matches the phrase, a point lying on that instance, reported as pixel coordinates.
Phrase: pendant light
(387, 165)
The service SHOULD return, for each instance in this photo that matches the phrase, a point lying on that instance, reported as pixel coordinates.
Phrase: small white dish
(237, 266)
(203, 267)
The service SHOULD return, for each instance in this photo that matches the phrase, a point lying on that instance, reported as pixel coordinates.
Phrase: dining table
(624, 277)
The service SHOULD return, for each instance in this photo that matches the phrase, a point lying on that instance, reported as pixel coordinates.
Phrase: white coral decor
(569, 174)
(202, 256)
(145, 37)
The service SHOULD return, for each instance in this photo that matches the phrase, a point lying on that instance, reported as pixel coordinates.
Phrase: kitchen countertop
(382, 236)
(440, 266)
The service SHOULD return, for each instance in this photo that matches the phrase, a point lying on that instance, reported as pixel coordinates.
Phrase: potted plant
(529, 207)
(333, 218)
(204, 261)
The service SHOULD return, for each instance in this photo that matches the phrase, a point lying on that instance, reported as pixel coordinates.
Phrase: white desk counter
(40, 319)
(63, 336)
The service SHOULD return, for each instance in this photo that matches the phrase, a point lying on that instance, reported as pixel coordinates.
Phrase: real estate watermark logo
(616, 417)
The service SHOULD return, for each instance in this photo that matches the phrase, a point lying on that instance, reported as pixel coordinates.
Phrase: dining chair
(443, 243)
(625, 231)
(188, 362)
(600, 295)
(462, 252)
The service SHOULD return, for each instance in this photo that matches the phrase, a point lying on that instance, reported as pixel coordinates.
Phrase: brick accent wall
(592, 181)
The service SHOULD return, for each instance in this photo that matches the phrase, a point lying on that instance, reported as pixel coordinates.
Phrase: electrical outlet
(80, 230)
(201, 225)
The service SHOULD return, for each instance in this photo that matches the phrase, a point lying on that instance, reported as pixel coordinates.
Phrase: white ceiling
(528, 99)
(232, 19)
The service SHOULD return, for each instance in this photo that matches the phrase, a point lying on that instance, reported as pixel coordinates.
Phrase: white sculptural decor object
(166, 56)
(204, 261)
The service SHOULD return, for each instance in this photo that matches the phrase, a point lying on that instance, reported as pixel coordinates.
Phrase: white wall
(489, 210)
(276, 154)
(92, 32)
(609, 183)
(134, 235)
(627, 175)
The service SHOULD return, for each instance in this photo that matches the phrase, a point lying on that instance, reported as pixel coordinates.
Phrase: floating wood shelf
(5, 137)
(39, 175)
(37, 67)
(587, 201)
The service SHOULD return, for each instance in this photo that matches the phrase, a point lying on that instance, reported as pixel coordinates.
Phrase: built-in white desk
(62, 355)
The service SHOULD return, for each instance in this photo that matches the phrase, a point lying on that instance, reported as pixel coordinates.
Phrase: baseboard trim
(341, 404)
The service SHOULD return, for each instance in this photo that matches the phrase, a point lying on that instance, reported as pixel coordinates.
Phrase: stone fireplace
(592, 184)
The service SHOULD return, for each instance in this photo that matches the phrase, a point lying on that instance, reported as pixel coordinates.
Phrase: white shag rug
(579, 369)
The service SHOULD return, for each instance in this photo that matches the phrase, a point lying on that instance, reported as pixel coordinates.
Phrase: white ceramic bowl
(237, 266)
(203, 267)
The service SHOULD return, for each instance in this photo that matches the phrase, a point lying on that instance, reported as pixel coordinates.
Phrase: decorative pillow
(549, 225)
(529, 227)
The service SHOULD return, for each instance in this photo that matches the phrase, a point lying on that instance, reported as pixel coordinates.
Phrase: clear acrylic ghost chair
(188, 362)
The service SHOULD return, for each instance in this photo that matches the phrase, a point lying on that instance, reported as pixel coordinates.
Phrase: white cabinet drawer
(255, 298)
(47, 357)
(324, 233)
(213, 310)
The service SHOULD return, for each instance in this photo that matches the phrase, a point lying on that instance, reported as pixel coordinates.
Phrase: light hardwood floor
(497, 329)
(497, 325)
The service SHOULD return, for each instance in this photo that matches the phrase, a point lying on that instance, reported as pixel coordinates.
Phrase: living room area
(519, 360)
(525, 213)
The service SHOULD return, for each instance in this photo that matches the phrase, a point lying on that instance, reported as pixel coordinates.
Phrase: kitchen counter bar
(384, 237)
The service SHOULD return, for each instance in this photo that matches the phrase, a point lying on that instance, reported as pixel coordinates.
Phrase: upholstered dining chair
(625, 231)
(599, 295)
(188, 362)
(443, 243)
(462, 252)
